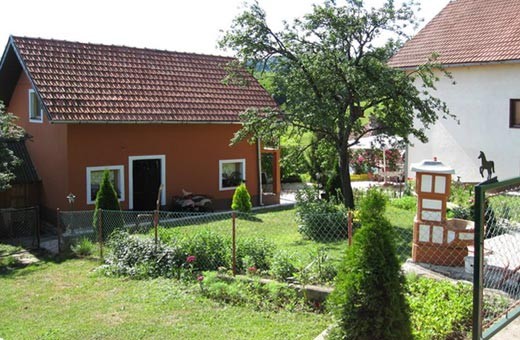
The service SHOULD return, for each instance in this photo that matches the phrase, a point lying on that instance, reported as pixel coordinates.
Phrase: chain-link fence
(20, 226)
(498, 270)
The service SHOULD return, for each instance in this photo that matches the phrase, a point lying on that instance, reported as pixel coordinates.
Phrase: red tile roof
(90, 82)
(467, 31)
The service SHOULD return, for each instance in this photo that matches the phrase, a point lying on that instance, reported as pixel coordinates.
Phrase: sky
(184, 26)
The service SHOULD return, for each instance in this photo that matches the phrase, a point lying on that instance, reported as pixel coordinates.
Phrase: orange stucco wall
(48, 147)
(192, 153)
(62, 152)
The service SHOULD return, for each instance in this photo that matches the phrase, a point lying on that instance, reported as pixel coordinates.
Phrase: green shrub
(320, 220)
(241, 199)
(439, 309)
(321, 268)
(106, 199)
(369, 300)
(211, 249)
(372, 206)
(141, 257)
(257, 251)
(405, 203)
(268, 296)
(83, 247)
(283, 265)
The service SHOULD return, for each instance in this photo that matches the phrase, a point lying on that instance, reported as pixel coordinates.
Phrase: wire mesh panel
(20, 226)
(497, 257)
(501, 265)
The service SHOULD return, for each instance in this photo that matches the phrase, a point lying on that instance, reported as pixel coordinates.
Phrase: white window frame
(224, 161)
(32, 94)
(121, 168)
(131, 160)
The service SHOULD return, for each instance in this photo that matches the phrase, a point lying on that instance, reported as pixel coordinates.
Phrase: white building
(478, 42)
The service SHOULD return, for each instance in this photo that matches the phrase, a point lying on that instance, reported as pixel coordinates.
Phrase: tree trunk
(344, 172)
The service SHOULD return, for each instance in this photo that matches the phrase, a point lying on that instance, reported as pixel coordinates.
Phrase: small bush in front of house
(241, 199)
(369, 300)
(283, 265)
(211, 249)
(106, 199)
(139, 257)
(320, 220)
(254, 252)
(83, 247)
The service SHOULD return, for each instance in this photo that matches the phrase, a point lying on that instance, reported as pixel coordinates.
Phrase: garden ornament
(486, 165)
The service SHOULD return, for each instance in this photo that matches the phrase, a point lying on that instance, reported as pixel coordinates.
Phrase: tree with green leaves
(333, 77)
(8, 161)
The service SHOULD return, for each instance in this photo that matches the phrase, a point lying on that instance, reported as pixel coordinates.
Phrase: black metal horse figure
(486, 165)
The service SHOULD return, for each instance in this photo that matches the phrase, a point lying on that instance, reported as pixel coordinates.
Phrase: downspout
(259, 155)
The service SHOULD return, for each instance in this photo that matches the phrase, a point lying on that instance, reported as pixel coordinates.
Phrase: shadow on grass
(13, 265)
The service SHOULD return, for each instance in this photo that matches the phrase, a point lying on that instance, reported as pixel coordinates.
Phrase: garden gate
(496, 274)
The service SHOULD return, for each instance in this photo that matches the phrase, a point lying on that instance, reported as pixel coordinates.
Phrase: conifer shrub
(241, 199)
(106, 199)
(369, 300)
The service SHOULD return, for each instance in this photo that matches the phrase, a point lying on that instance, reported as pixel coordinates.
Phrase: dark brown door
(146, 181)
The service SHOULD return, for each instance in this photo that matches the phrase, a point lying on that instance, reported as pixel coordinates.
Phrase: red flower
(191, 259)
(200, 278)
(252, 269)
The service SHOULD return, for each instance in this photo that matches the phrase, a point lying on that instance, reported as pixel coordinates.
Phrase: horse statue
(486, 165)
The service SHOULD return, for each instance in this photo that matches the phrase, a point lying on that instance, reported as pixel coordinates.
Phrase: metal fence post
(58, 227)
(234, 247)
(349, 231)
(38, 226)
(100, 232)
(478, 263)
(155, 223)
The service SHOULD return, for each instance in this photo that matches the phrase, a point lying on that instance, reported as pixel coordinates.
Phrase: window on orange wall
(95, 175)
(514, 113)
(232, 172)
(35, 108)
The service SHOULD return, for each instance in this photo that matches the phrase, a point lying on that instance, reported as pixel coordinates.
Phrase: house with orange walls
(150, 117)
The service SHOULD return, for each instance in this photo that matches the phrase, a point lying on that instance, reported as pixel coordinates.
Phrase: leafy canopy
(333, 78)
(8, 161)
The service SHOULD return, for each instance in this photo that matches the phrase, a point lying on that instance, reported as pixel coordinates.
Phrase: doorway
(147, 173)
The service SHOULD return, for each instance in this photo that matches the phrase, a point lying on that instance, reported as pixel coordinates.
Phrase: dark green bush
(106, 199)
(369, 300)
(320, 220)
(241, 199)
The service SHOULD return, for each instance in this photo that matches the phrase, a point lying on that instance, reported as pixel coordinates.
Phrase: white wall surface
(480, 100)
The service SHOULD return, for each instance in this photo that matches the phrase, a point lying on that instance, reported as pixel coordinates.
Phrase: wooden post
(58, 227)
(100, 232)
(234, 246)
(349, 231)
(38, 226)
(156, 213)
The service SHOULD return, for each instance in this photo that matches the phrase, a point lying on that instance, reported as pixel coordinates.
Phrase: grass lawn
(68, 301)
(281, 228)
